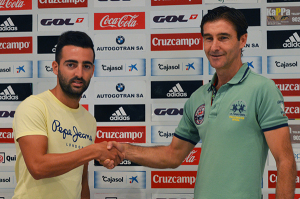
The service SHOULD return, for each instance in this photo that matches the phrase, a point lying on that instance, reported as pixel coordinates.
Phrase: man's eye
(70, 65)
(87, 66)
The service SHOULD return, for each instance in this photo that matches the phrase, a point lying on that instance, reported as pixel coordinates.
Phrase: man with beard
(54, 134)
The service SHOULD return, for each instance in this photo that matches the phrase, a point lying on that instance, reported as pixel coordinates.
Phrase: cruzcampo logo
(238, 110)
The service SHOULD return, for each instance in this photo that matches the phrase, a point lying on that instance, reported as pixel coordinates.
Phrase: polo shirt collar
(238, 77)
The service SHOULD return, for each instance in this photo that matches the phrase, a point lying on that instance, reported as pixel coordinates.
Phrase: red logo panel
(193, 158)
(6, 135)
(173, 179)
(15, 5)
(273, 196)
(292, 110)
(62, 4)
(130, 134)
(15, 45)
(115, 21)
(288, 87)
(177, 41)
(86, 106)
(174, 2)
(272, 179)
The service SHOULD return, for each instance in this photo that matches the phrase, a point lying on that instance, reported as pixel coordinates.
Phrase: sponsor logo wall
(149, 60)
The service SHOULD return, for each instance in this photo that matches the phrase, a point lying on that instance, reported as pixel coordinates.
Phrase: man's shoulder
(260, 79)
(202, 90)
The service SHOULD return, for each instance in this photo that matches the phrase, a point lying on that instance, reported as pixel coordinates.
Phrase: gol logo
(60, 22)
(170, 111)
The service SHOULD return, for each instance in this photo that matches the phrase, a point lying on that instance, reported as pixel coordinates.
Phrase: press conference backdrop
(149, 60)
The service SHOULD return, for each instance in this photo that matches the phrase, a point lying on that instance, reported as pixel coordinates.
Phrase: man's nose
(215, 45)
(79, 71)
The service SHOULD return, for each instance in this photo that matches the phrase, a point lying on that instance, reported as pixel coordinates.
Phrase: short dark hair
(75, 38)
(231, 15)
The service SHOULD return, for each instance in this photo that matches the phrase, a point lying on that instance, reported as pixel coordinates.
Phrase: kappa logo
(199, 114)
(177, 91)
(238, 110)
(293, 41)
(8, 25)
(120, 114)
(8, 94)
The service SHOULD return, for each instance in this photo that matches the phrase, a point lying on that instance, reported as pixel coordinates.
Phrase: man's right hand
(109, 157)
(112, 145)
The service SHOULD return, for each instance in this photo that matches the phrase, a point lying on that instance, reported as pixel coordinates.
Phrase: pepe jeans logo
(68, 132)
(238, 110)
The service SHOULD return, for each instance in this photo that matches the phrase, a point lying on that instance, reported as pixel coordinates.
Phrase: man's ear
(55, 67)
(243, 40)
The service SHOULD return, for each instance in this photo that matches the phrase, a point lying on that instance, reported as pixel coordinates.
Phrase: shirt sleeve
(270, 108)
(186, 129)
(30, 118)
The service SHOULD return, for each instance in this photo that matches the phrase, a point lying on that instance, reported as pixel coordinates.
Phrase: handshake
(112, 154)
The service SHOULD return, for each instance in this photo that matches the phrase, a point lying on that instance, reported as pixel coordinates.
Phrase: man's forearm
(155, 157)
(286, 180)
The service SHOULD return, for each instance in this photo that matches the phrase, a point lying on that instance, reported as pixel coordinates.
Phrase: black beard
(67, 89)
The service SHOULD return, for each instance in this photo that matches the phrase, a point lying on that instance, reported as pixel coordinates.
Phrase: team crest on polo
(238, 110)
(199, 114)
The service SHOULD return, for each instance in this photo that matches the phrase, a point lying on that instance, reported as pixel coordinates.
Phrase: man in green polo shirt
(238, 116)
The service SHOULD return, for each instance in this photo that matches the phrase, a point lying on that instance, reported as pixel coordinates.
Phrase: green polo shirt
(231, 127)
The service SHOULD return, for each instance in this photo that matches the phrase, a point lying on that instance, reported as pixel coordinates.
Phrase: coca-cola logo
(193, 157)
(15, 4)
(112, 21)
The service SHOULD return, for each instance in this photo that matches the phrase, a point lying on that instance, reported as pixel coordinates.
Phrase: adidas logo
(8, 94)
(8, 25)
(177, 91)
(119, 115)
(293, 41)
